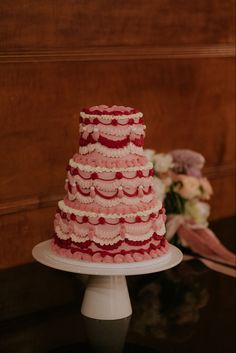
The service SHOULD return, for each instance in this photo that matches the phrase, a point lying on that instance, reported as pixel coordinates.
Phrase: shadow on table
(164, 304)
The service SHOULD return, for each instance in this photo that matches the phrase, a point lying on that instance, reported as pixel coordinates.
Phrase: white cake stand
(106, 296)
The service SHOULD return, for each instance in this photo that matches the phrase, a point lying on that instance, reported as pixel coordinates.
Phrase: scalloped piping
(112, 143)
(70, 210)
(109, 203)
(107, 190)
(67, 230)
(114, 131)
(88, 168)
(107, 229)
(133, 255)
(119, 209)
(67, 217)
(111, 152)
(110, 117)
(62, 235)
(103, 241)
(110, 186)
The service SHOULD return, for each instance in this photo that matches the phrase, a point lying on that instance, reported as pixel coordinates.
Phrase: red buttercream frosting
(110, 212)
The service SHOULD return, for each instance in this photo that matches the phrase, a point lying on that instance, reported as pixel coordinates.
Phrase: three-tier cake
(110, 212)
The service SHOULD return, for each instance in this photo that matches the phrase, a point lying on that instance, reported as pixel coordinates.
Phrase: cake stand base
(106, 296)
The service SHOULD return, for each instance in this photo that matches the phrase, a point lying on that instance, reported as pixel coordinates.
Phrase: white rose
(188, 186)
(149, 154)
(198, 211)
(162, 162)
(159, 188)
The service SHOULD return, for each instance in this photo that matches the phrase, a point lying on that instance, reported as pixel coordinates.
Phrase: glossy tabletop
(189, 308)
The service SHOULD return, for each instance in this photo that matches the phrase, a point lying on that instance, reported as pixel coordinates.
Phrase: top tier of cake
(115, 131)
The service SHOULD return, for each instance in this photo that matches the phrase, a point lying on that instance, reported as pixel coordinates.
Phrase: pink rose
(188, 186)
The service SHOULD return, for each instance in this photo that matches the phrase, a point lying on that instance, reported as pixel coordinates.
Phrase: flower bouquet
(185, 193)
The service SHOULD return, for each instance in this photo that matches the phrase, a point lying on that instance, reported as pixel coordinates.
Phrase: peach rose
(206, 189)
(198, 211)
(188, 186)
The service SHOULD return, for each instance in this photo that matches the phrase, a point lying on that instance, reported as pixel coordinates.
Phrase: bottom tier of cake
(126, 252)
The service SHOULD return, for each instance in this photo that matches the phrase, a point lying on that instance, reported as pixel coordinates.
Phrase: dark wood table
(186, 309)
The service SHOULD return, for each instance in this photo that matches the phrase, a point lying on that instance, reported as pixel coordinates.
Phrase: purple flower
(187, 162)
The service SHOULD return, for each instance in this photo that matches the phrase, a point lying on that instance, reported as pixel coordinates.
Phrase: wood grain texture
(21, 231)
(119, 53)
(62, 24)
(171, 59)
(186, 103)
(223, 200)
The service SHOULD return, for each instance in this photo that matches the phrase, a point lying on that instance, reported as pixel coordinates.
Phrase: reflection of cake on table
(110, 212)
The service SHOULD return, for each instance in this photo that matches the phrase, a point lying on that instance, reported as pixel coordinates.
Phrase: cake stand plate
(106, 296)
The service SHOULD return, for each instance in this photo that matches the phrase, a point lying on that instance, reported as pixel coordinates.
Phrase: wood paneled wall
(174, 60)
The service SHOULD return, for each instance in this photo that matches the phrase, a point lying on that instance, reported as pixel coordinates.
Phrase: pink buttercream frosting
(118, 256)
(110, 212)
(119, 209)
(105, 109)
(109, 131)
(107, 231)
(96, 159)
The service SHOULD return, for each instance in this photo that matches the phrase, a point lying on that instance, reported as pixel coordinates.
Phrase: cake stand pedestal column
(106, 296)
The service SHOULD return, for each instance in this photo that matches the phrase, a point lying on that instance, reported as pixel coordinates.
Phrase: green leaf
(174, 203)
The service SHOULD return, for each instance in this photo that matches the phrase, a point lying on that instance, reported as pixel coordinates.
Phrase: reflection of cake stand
(106, 296)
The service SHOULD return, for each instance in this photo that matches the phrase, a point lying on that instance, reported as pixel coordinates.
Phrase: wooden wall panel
(61, 24)
(223, 200)
(187, 103)
(171, 59)
(21, 231)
